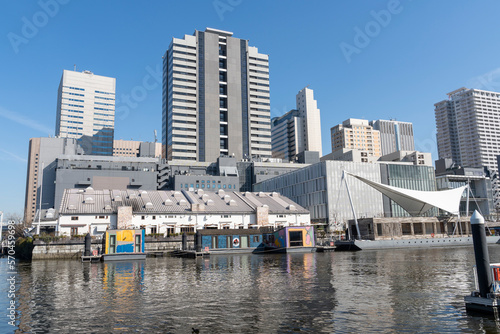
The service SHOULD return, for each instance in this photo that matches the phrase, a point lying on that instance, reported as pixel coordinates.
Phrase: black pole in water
(87, 244)
(184, 241)
(481, 254)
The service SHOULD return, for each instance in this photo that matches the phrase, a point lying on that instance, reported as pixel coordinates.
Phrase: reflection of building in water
(123, 276)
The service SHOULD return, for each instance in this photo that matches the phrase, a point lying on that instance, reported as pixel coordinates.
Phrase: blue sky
(363, 59)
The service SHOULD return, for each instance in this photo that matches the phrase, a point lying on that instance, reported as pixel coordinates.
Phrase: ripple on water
(369, 291)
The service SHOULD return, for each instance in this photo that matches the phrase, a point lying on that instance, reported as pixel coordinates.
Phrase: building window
(223, 76)
(154, 217)
(223, 102)
(187, 229)
(74, 218)
(143, 217)
(74, 231)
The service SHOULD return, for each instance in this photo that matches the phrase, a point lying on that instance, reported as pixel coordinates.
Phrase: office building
(450, 175)
(468, 130)
(134, 148)
(298, 130)
(356, 134)
(42, 156)
(86, 111)
(394, 135)
(216, 98)
(320, 189)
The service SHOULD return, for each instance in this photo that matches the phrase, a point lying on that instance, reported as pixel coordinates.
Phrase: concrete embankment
(73, 248)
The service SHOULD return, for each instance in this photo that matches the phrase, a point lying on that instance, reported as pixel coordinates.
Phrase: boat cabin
(290, 239)
(228, 240)
(124, 244)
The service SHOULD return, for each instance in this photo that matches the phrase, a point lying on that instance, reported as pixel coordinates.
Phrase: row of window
(208, 186)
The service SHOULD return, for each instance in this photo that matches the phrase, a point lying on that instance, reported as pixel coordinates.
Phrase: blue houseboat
(228, 241)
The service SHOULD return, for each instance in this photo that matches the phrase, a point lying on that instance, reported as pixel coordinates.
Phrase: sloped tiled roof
(90, 201)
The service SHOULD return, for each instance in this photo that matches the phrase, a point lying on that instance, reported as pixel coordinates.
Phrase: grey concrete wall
(212, 118)
(73, 249)
(50, 149)
(234, 98)
(68, 177)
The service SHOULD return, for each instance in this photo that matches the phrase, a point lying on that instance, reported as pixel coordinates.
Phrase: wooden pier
(91, 258)
(189, 253)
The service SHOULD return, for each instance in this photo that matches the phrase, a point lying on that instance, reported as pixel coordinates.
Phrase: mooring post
(481, 254)
(184, 241)
(87, 244)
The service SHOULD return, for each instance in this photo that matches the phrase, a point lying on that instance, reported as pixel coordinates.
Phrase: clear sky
(363, 59)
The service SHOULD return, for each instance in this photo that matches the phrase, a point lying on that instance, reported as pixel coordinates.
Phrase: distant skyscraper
(133, 148)
(356, 134)
(86, 111)
(299, 129)
(468, 130)
(41, 168)
(215, 98)
(394, 135)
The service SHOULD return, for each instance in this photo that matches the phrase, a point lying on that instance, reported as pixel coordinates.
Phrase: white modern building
(216, 98)
(321, 189)
(93, 211)
(86, 111)
(468, 130)
(298, 130)
(394, 135)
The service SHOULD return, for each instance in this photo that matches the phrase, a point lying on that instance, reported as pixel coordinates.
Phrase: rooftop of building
(90, 201)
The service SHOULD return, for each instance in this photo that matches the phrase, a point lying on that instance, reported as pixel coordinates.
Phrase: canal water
(387, 291)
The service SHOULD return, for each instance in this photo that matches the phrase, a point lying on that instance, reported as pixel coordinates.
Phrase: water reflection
(384, 291)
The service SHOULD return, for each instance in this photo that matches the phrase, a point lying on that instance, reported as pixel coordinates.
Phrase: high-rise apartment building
(394, 135)
(468, 130)
(299, 129)
(86, 111)
(356, 134)
(216, 98)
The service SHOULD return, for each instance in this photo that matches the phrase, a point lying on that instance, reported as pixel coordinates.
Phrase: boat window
(112, 244)
(429, 228)
(417, 228)
(406, 228)
(295, 238)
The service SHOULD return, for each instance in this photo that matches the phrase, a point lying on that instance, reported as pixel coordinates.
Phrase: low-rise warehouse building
(170, 212)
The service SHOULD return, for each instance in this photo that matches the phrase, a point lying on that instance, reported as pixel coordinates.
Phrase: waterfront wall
(73, 248)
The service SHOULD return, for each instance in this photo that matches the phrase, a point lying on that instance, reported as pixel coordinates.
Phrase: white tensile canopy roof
(417, 202)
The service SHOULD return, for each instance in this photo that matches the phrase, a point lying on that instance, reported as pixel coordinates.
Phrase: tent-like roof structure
(416, 202)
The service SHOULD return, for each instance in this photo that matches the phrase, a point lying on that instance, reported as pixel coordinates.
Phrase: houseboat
(296, 239)
(124, 244)
(228, 241)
